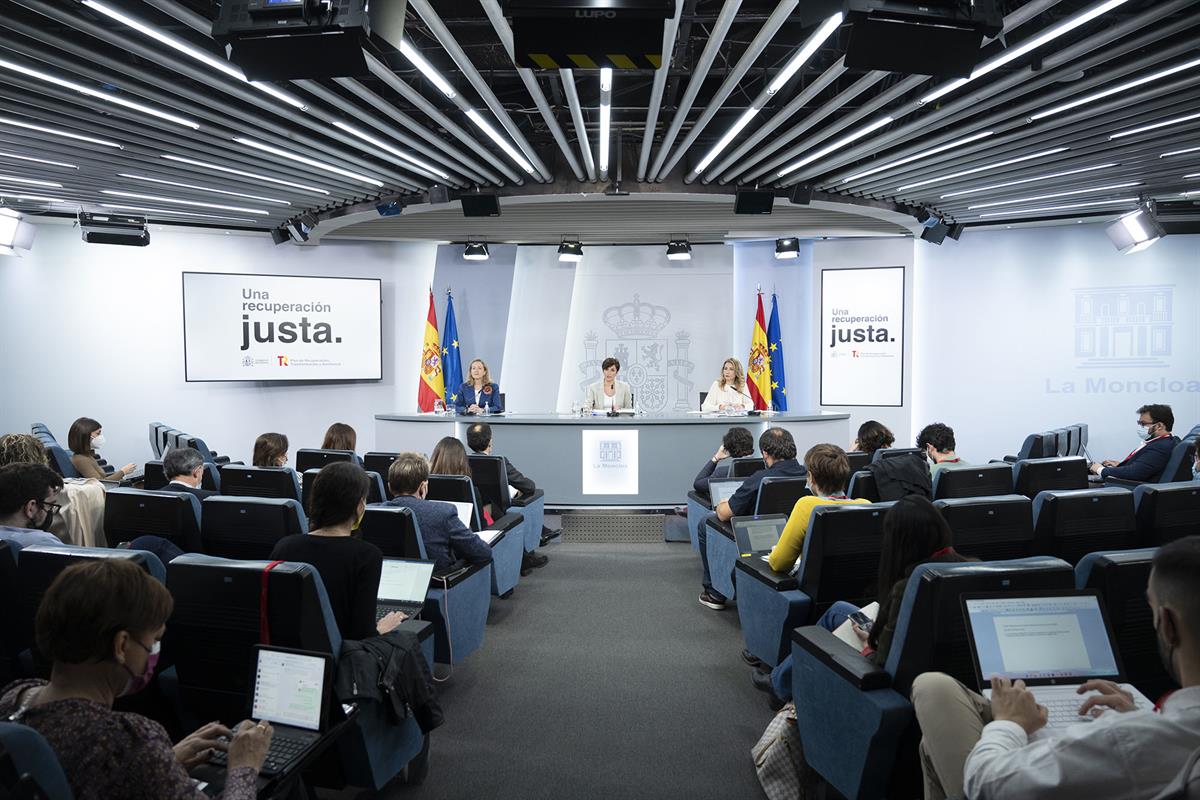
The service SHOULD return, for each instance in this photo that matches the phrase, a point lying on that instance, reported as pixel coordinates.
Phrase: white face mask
(1144, 432)
(98, 442)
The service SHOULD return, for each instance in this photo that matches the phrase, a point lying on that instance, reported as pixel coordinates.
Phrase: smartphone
(862, 620)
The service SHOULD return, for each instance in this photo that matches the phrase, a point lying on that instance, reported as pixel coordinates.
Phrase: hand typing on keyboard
(1108, 695)
(1013, 702)
(249, 745)
(195, 748)
(390, 620)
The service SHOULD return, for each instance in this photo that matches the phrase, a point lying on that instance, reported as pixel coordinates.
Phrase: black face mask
(48, 521)
(1165, 652)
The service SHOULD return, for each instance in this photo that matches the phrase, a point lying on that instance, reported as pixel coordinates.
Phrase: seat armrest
(418, 627)
(1123, 482)
(506, 522)
(723, 528)
(457, 574)
(761, 570)
(701, 499)
(841, 659)
(526, 499)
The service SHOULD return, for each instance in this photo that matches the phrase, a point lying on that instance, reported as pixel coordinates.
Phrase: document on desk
(488, 536)
(845, 631)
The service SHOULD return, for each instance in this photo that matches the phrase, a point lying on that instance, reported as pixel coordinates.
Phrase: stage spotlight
(570, 250)
(475, 251)
(936, 233)
(279, 235)
(787, 248)
(679, 250)
(391, 208)
(955, 230)
(1135, 231)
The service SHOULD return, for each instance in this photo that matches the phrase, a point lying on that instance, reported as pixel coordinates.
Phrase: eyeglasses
(51, 508)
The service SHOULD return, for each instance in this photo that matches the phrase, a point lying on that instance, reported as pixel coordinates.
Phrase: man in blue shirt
(27, 507)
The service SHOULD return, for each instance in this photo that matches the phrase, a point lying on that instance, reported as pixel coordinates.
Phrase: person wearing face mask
(85, 438)
(270, 450)
(349, 567)
(988, 751)
(937, 440)
(27, 504)
(1147, 461)
(100, 624)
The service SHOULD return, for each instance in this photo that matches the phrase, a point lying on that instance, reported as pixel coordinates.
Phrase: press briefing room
(593, 399)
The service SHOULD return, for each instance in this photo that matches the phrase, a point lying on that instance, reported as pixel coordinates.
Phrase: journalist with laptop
(999, 748)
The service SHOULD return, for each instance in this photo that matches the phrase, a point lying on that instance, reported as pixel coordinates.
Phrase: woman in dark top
(449, 457)
(100, 622)
(270, 450)
(348, 566)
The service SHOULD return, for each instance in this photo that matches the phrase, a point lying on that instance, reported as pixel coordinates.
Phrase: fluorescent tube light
(172, 212)
(30, 181)
(1066, 207)
(1028, 180)
(606, 78)
(255, 175)
(32, 198)
(195, 53)
(195, 203)
(492, 134)
(203, 188)
(107, 97)
(837, 145)
(1179, 152)
(806, 52)
(923, 154)
(427, 69)
(1154, 126)
(727, 139)
(58, 132)
(1039, 197)
(1024, 47)
(38, 160)
(387, 148)
(266, 148)
(984, 168)
(1122, 87)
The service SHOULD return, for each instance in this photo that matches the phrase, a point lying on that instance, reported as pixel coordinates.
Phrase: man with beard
(27, 507)
(988, 751)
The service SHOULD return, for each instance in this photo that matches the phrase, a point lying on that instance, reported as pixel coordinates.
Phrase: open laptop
(722, 490)
(292, 690)
(1052, 640)
(403, 585)
(759, 533)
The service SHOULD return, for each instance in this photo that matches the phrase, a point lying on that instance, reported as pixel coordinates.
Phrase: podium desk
(645, 461)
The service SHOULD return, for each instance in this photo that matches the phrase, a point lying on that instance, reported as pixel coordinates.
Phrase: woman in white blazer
(728, 391)
(609, 393)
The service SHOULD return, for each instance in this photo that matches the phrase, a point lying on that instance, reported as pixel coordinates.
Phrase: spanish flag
(758, 365)
(432, 388)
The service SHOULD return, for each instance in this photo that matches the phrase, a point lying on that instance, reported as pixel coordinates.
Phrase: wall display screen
(862, 337)
(281, 328)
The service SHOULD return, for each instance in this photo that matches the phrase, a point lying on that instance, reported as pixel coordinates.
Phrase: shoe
(713, 600)
(549, 535)
(526, 569)
(753, 660)
(762, 682)
(534, 561)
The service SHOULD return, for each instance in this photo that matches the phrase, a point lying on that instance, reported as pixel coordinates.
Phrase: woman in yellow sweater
(828, 471)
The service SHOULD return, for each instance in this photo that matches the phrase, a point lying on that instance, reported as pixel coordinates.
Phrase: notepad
(489, 535)
(845, 631)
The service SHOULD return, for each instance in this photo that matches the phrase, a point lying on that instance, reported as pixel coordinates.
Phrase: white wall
(537, 328)
(96, 330)
(998, 317)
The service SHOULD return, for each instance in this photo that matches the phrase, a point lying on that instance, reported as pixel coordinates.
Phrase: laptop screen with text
(404, 581)
(289, 688)
(721, 491)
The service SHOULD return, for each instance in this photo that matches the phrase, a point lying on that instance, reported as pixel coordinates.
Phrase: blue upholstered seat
(1071, 524)
(991, 528)
(1034, 475)
(248, 527)
(238, 480)
(972, 480)
(722, 555)
(175, 516)
(778, 495)
(29, 766)
(1165, 512)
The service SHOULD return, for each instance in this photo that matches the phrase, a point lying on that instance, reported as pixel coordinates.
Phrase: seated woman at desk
(85, 437)
(478, 395)
(609, 394)
(729, 391)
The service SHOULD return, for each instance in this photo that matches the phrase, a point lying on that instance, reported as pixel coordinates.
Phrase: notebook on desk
(1053, 640)
(464, 510)
(403, 584)
(759, 533)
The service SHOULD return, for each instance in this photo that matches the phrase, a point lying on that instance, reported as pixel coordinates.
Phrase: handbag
(779, 758)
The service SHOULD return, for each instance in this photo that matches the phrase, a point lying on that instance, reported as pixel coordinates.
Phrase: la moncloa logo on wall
(1124, 327)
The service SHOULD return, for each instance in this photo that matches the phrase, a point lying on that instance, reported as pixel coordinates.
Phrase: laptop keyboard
(283, 751)
(1064, 711)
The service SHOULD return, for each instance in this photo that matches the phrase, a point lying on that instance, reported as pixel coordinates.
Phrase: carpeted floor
(601, 677)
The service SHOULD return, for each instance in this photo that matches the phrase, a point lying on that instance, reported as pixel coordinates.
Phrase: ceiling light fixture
(1065, 207)
(266, 148)
(727, 139)
(107, 97)
(16, 123)
(32, 198)
(1179, 152)
(171, 212)
(806, 52)
(38, 160)
(1056, 194)
(1153, 126)
(1122, 87)
(1034, 42)
(195, 203)
(432, 75)
(984, 168)
(679, 250)
(475, 251)
(495, 136)
(1134, 231)
(837, 145)
(30, 181)
(606, 79)
(1029, 180)
(387, 148)
(192, 52)
(203, 188)
(923, 154)
(570, 250)
(254, 175)
(788, 248)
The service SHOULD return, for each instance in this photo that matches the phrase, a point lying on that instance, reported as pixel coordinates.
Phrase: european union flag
(451, 358)
(775, 344)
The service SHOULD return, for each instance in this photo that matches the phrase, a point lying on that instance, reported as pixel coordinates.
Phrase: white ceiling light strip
(1029, 180)
(194, 203)
(266, 148)
(984, 168)
(32, 198)
(30, 181)
(1180, 152)
(606, 81)
(1119, 88)
(1013, 53)
(172, 212)
(38, 160)
(387, 148)
(837, 145)
(1153, 126)
(431, 74)
(503, 144)
(923, 154)
(1066, 207)
(203, 188)
(254, 175)
(1040, 197)
(181, 46)
(802, 56)
(58, 132)
(107, 97)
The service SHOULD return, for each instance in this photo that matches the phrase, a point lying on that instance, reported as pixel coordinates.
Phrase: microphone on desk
(753, 412)
(613, 410)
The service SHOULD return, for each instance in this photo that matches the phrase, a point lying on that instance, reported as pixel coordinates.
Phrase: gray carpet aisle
(602, 677)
